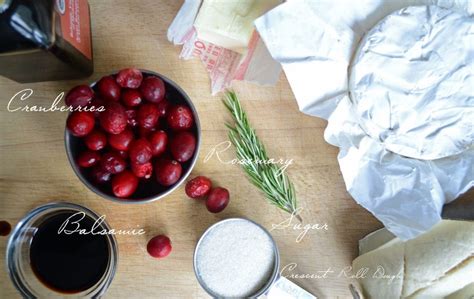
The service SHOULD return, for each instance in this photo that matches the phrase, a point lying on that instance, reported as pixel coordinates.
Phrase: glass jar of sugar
(238, 258)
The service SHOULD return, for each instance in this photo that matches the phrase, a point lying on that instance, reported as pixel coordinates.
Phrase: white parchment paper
(315, 41)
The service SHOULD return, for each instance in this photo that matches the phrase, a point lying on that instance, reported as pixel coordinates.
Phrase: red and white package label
(223, 65)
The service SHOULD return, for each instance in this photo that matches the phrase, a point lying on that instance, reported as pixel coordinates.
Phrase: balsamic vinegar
(68, 263)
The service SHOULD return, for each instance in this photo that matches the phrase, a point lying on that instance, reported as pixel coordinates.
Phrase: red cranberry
(122, 154)
(140, 151)
(167, 171)
(131, 97)
(148, 115)
(96, 140)
(198, 187)
(80, 123)
(124, 184)
(113, 163)
(100, 175)
(217, 200)
(180, 117)
(182, 146)
(142, 170)
(5, 228)
(121, 141)
(129, 78)
(131, 117)
(159, 246)
(98, 104)
(158, 141)
(88, 159)
(108, 88)
(114, 118)
(153, 89)
(145, 133)
(79, 96)
(163, 107)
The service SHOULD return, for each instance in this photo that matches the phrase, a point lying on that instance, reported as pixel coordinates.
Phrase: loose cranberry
(113, 163)
(88, 159)
(96, 140)
(129, 78)
(131, 97)
(148, 115)
(182, 146)
(153, 89)
(159, 246)
(163, 107)
(124, 184)
(80, 123)
(121, 141)
(142, 170)
(180, 117)
(114, 118)
(217, 200)
(167, 171)
(108, 88)
(5, 228)
(131, 117)
(100, 175)
(79, 96)
(140, 151)
(158, 141)
(198, 187)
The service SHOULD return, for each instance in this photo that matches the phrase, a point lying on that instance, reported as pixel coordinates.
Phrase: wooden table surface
(35, 170)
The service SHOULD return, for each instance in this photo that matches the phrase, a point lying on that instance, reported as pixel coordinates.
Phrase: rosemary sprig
(268, 177)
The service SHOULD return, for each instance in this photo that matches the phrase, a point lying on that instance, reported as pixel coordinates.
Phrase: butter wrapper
(223, 65)
(401, 161)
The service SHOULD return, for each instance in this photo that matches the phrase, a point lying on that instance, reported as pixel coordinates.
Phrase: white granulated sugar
(235, 259)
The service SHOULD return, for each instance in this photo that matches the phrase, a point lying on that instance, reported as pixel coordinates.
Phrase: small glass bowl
(18, 254)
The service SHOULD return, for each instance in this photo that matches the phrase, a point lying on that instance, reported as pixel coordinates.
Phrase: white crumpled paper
(315, 41)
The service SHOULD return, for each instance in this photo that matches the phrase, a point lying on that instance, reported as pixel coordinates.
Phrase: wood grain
(35, 170)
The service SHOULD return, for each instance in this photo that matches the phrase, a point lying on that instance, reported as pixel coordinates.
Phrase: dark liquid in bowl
(68, 263)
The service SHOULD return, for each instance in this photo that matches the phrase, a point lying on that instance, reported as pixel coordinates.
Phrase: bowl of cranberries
(133, 136)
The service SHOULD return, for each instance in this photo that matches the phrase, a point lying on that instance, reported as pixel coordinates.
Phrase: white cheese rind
(412, 82)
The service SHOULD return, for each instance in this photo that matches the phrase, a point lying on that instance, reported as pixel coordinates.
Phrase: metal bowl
(149, 190)
(276, 266)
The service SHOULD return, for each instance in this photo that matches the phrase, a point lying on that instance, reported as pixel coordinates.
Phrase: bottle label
(75, 24)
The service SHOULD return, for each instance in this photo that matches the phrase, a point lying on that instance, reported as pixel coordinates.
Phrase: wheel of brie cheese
(412, 82)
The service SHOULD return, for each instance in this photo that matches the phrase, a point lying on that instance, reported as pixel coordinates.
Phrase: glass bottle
(45, 40)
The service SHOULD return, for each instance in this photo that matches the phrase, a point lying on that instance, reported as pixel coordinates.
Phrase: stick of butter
(229, 23)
